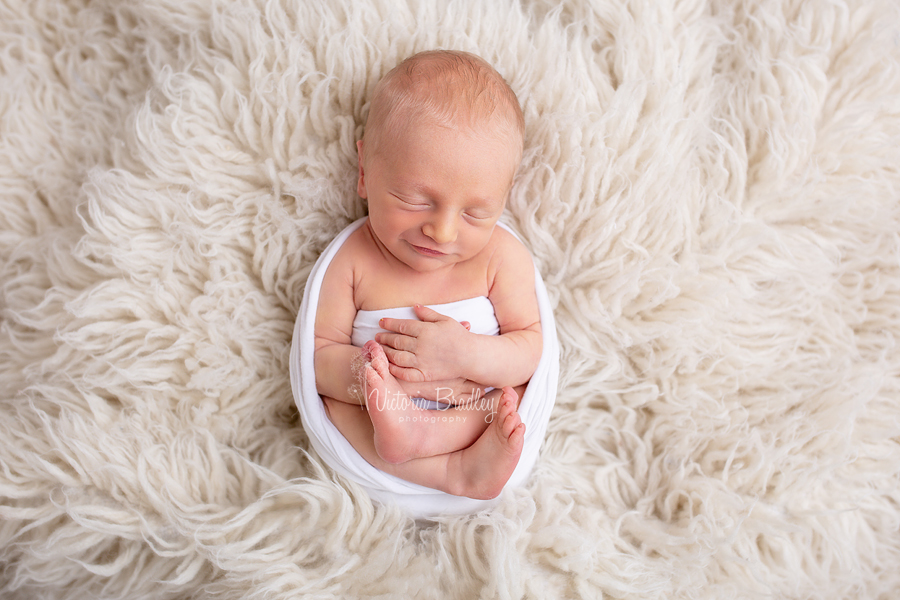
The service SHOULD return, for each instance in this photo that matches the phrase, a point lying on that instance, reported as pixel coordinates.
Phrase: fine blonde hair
(449, 87)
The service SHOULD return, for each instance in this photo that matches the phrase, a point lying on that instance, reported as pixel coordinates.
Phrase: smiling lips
(427, 251)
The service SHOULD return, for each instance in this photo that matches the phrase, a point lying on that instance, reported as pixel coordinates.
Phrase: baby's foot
(399, 434)
(481, 470)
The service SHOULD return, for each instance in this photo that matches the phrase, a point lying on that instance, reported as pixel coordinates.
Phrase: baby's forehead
(415, 127)
(452, 104)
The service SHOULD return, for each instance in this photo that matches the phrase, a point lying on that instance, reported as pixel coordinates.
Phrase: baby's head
(436, 164)
(448, 88)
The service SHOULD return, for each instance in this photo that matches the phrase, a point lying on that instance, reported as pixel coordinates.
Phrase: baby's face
(436, 193)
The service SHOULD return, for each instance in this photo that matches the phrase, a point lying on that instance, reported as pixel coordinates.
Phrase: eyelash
(407, 202)
(425, 205)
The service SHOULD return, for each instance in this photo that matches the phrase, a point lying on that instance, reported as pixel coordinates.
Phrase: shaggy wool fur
(711, 191)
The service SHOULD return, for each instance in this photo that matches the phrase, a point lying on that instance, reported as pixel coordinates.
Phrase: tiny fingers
(396, 341)
(400, 358)
(405, 374)
(402, 326)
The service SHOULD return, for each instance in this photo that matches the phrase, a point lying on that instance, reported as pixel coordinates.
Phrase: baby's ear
(361, 183)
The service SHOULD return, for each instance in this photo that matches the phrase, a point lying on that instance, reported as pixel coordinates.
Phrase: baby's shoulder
(506, 247)
(349, 260)
(510, 260)
(356, 247)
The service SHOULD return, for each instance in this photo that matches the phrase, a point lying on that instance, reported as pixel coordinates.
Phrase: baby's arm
(338, 363)
(335, 356)
(437, 347)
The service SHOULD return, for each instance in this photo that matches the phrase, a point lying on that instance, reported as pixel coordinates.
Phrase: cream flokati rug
(711, 190)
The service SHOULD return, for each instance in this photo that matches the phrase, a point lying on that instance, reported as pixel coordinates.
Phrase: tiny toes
(377, 358)
(509, 396)
(519, 431)
(510, 423)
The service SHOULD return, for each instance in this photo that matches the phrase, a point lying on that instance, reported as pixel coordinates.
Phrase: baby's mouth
(427, 251)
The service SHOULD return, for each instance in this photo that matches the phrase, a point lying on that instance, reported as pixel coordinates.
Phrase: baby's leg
(478, 471)
(402, 431)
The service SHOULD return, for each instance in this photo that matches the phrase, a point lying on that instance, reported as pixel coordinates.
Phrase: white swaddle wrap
(334, 449)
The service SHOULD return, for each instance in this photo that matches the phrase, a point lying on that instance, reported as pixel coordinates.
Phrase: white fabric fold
(336, 452)
(478, 311)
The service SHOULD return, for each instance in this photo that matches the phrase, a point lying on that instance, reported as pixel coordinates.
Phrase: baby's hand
(431, 349)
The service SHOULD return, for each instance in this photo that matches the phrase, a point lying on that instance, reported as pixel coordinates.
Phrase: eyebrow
(419, 188)
(425, 190)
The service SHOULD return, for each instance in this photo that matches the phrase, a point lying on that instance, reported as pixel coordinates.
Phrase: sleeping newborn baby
(427, 329)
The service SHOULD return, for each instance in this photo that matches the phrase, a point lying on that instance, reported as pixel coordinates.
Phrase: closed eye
(411, 202)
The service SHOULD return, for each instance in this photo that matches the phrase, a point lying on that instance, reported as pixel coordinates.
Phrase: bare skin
(478, 471)
(435, 190)
(405, 432)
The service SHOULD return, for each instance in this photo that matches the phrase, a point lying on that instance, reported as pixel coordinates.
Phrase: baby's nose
(441, 229)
